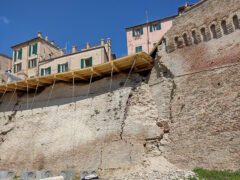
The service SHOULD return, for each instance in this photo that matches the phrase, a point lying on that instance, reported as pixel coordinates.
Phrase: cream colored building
(27, 55)
(5, 62)
(87, 57)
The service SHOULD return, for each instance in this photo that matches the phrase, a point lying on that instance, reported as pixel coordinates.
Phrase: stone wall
(203, 37)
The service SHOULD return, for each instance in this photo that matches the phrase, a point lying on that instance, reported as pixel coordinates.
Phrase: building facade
(5, 62)
(87, 57)
(27, 55)
(144, 37)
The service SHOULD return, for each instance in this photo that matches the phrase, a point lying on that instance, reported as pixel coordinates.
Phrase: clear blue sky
(78, 21)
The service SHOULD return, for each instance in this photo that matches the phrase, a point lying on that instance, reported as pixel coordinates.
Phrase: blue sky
(75, 22)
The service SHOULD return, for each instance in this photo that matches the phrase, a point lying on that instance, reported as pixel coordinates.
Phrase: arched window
(185, 38)
(236, 22)
(224, 27)
(213, 30)
(204, 36)
(194, 36)
(177, 42)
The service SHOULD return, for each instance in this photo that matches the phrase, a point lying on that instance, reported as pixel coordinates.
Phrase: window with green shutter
(82, 63)
(19, 54)
(20, 66)
(42, 72)
(66, 66)
(159, 26)
(138, 49)
(133, 32)
(90, 62)
(141, 30)
(59, 68)
(49, 70)
(29, 50)
(29, 63)
(15, 55)
(14, 68)
(151, 28)
(36, 47)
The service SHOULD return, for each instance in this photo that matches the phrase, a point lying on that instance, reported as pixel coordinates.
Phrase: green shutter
(82, 63)
(35, 62)
(66, 66)
(59, 68)
(49, 70)
(35, 48)
(20, 66)
(15, 55)
(29, 50)
(133, 32)
(141, 30)
(29, 61)
(42, 72)
(90, 62)
(159, 26)
(151, 28)
(14, 68)
(136, 49)
(21, 53)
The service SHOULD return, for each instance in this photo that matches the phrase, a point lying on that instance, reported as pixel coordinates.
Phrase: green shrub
(216, 175)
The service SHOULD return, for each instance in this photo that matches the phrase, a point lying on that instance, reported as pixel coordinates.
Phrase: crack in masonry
(125, 115)
(101, 154)
(174, 86)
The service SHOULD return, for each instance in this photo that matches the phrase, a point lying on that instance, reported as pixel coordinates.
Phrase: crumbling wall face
(117, 133)
(204, 37)
(205, 129)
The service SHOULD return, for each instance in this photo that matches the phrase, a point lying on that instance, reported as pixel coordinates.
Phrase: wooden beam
(61, 78)
(115, 67)
(41, 80)
(25, 86)
(96, 72)
(146, 61)
(79, 76)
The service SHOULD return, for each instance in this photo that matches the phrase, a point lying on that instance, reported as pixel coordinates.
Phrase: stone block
(7, 174)
(27, 175)
(54, 178)
(88, 174)
(67, 174)
(43, 174)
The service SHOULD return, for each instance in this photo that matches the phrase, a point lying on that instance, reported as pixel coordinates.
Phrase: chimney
(109, 49)
(46, 38)
(52, 42)
(88, 45)
(74, 49)
(186, 4)
(102, 42)
(61, 52)
(40, 34)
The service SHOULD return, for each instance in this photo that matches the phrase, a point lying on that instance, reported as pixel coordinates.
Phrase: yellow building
(86, 57)
(27, 55)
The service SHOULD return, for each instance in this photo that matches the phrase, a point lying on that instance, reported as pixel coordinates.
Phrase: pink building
(144, 37)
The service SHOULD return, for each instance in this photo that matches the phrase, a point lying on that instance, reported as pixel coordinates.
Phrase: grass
(203, 174)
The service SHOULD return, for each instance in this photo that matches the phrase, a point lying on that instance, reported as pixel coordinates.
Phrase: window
(224, 27)
(194, 36)
(213, 30)
(17, 67)
(177, 42)
(185, 38)
(137, 31)
(62, 67)
(32, 49)
(204, 36)
(138, 49)
(32, 63)
(236, 22)
(155, 27)
(18, 54)
(87, 62)
(45, 71)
